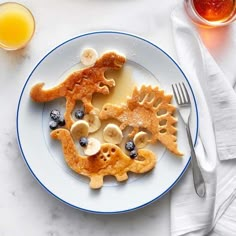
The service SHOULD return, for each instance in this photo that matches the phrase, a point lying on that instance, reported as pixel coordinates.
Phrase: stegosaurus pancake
(110, 160)
(147, 108)
(81, 85)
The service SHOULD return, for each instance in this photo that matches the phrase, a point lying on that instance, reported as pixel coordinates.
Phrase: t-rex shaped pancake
(81, 85)
(148, 108)
(110, 160)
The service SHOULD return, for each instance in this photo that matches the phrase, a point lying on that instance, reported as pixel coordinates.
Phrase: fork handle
(198, 180)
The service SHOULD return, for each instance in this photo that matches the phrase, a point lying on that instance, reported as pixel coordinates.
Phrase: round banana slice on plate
(93, 122)
(79, 129)
(141, 139)
(93, 147)
(112, 134)
(88, 56)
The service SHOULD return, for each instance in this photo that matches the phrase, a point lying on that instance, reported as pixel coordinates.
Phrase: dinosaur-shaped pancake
(81, 85)
(148, 108)
(110, 160)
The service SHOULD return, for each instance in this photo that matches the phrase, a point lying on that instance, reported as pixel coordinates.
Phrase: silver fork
(183, 100)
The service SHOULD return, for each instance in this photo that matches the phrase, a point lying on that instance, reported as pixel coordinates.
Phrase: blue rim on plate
(22, 151)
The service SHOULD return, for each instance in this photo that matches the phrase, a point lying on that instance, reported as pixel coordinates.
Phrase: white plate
(43, 156)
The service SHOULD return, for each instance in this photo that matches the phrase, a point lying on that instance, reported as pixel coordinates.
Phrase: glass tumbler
(17, 26)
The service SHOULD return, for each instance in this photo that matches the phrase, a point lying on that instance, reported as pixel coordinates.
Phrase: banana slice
(141, 139)
(93, 147)
(79, 129)
(112, 134)
(93, 121)
(88, 56)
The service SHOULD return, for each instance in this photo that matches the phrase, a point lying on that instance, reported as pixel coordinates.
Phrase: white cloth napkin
(216, 145)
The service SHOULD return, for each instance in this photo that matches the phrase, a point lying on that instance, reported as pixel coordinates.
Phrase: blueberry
(129, 146)
(79, 114)
(55, 114)
(53, 124)
(61, 121)
(133, 154)
(83, 141)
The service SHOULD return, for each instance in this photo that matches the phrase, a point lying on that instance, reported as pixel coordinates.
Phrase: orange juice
(16, 26)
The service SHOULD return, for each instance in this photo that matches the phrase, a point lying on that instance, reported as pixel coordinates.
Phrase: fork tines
(181, 93)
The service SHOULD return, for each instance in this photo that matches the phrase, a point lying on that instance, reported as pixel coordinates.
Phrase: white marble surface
(25, 208)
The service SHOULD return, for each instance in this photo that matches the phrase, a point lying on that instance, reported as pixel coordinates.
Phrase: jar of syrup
(211, 13)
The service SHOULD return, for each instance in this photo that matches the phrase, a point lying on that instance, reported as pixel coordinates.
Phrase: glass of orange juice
(17, 26)
(211, 13)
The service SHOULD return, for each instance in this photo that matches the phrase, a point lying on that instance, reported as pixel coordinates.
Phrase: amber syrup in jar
(215, 10)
